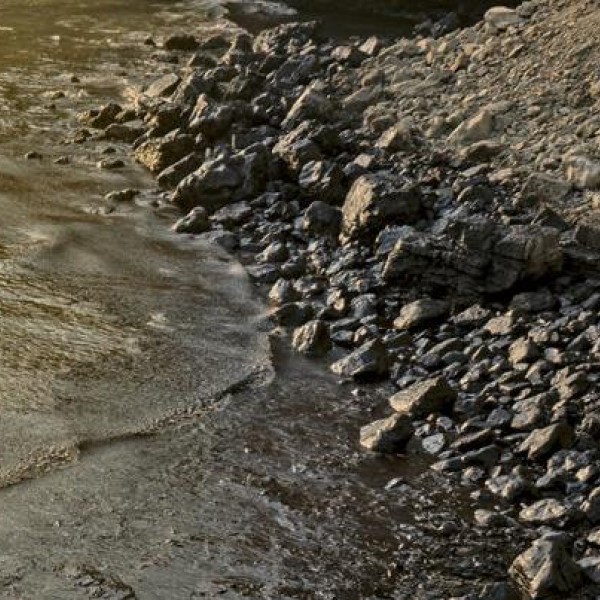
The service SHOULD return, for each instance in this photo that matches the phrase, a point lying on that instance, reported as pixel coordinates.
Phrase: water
(153, 444)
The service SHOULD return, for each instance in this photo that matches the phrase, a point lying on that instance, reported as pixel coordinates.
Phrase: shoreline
(402, 238)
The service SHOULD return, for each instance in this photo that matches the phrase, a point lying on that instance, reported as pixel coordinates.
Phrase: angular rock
(158, 154)
(546, 570)
(388, 436)
(421, 313)
(542, 442)
(312, 339)
(369, 361)
(424, 398)
(322, 219)
(375, 201)
(196, 221)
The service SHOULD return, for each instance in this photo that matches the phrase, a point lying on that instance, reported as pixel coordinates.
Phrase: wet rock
(421, 313)
(163, 87)
(293, 314)
(375, 201)
(369, 361)
(542, 442)
(312, 339)
(211, 119)
(181, 41)
(173, 175)
(387, 436)
(103, 117)
(158, 154)
(283, 292)
(196, 221)
(424, 398)
(546, 570)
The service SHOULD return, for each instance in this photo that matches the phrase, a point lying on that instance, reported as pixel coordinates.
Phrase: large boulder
(387, 436)
(375, 201)
(425, 397)
(474, 256)
(158, 154)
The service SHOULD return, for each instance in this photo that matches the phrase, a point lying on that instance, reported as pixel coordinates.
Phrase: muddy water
(159, 445)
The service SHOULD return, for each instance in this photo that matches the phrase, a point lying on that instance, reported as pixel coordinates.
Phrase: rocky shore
(423, 214)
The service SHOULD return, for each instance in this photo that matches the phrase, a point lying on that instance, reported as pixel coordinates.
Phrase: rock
(583, 173)
(181, 41)
(546, 570)
(293, 314)
(211, 119)
(321, 219)
(311, 104)
(283, 292)
(424, 398)
(501, 17)
(312, 339)
(196, 221)
(296, 149)
(158, 154)
(322, 180)
(590, 565)
(387, 436)
(102, 118)
(165, 86)
(474, 256)
(398, 138)
(542, 442)
(542, 188)
(375, 201)
(369, 361)
(548, 511)
(591, 507)
(475, 129)
(225, 179)
(421, 313)
(173, 175)
(523, 351)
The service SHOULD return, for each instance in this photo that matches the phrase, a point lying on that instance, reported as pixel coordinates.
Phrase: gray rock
(548, 511)
(542, 442)
(387, 436)
(163, 87)
(322, 219)
(196, 221)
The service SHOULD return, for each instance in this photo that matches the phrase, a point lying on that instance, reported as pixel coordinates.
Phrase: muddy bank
(420, 214)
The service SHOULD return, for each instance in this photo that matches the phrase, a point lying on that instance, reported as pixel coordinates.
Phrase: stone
(542, 442)
(211, 119)
(196, 221)
(312, 104)
(548, 511)
(546, 570)
(398, 138)
(424, 398)
(312, 339)
(590, 565)
(591, 507)
(542, 188)
(501, 17)
(158, 154)
(174, 174)
(523, 351)
(387, 436)
(475, 129)
(421, 313)
(375, 201)
(369, 361)
(181, 41)
(293, 314)
(224, 179)
(322, 219)
(323, 180)
(165, 86)
(583, 173)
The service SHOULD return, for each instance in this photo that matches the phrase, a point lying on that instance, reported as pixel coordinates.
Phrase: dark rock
(156, 155)
(371, 360)
(196, 221)
(181, 41)
(322, 219)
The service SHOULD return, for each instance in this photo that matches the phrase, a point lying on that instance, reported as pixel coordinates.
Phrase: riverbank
(422, 215)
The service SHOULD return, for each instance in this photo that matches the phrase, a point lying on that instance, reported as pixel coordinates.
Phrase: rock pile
(424, 212)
